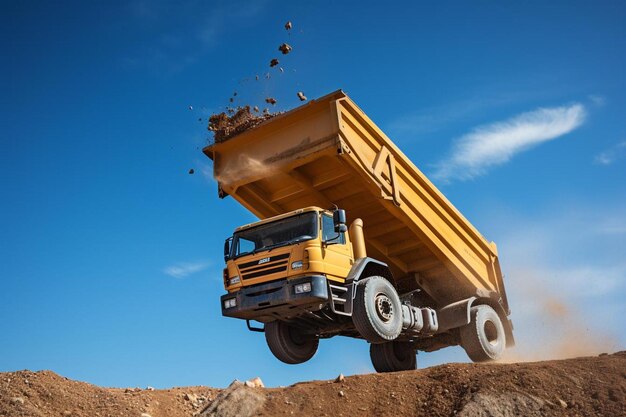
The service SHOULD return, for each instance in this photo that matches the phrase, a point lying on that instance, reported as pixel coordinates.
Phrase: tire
(288, 343)
(377, 312)
(483, 338)
(393, 356)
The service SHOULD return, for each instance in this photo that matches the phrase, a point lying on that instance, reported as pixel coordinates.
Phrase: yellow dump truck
(353, 240)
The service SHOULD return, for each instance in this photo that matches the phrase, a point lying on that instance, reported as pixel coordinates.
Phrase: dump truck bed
(328, 152)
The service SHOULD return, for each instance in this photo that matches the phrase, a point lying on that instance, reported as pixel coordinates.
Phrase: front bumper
(277, 299)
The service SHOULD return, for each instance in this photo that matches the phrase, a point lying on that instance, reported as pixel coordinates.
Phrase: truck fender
(366, 267)
(455, 315)
(361, 270)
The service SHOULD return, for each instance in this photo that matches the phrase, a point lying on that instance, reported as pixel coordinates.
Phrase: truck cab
(282, 266)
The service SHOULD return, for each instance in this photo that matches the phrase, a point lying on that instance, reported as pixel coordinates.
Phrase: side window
(328, 231)
(245, 246)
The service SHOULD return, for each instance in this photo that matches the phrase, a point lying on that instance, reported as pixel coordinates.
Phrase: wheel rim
(384, 307)
(491, 332)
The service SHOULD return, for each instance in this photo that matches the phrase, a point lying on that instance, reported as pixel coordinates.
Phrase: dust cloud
(549, 326)
(244, 166)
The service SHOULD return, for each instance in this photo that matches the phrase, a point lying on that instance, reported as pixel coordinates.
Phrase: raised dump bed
(329, 153)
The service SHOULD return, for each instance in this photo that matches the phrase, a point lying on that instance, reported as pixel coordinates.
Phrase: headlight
(231, 302)
(296, 265)
(302, 288)
(234, 280)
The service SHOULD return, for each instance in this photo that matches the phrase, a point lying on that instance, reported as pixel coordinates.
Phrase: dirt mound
(594, 386)
(224, 126)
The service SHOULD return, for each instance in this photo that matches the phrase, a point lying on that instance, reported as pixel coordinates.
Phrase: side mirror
(339, 220)
(227, 244)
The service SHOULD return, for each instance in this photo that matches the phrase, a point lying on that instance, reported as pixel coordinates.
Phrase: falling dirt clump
(191, 171)
(270, 100)
(273, 62)
(224, 126)
(285, 48)
(288, 26)
(301, 96)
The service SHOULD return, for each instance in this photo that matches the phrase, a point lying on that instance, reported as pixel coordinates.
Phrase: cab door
(336, 250)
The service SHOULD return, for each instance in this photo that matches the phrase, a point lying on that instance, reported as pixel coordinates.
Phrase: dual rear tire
(377, 315)
(484, 338)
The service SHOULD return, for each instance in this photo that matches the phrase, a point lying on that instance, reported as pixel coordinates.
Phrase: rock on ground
(238, 400)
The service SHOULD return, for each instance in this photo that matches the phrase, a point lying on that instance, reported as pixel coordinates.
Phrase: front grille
(275, 264)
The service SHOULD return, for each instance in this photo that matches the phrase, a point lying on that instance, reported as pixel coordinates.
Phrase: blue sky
(110, 258)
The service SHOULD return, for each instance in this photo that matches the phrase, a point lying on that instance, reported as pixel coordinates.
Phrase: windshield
(279, 233)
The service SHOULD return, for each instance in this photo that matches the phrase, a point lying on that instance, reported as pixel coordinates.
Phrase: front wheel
(377, 311)
(393, 356)
(483, 338)
(288, 343)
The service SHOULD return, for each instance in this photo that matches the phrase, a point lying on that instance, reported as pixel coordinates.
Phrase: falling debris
(231, 99)
(270, 100)
(256, 109)
(192, 171)
(266, 111)
(268, 76)
(301, 96)
(257, 78)
(235, 94)
(190, 107)
(273, 62)
(281, 69)
(199, 119)
(288, 26)
(284, 48)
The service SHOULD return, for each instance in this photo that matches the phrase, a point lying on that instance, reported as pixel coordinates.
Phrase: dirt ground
(591, 386)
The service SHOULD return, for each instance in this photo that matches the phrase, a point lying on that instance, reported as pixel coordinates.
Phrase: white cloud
(597, 100)
(183, 269)
(611, 155)
(494, 144)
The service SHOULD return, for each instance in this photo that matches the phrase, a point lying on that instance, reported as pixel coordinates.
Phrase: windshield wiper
(287, 243)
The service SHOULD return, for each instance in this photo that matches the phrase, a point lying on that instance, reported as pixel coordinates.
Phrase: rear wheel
(483, 338)
(393, 356)
(377, 311)
(289, 344)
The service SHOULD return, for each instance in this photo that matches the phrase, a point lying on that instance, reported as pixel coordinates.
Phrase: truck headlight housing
(302, 288)
(231, 302)
(296, 265)
(234, 280)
